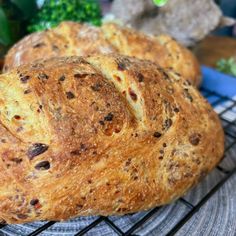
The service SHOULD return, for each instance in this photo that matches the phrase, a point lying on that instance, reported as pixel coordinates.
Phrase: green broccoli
(55, 11)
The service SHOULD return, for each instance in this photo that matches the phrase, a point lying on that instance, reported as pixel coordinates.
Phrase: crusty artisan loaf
(71, 38)
(100, 135)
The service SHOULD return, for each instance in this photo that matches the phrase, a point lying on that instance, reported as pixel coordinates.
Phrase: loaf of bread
(100, 135)
(73, 39)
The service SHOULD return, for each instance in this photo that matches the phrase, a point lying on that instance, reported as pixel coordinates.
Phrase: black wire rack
(229, 125)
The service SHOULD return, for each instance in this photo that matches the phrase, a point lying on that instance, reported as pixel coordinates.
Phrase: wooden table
(213, 48)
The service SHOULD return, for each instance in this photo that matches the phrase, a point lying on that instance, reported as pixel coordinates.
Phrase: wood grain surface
(213, 48)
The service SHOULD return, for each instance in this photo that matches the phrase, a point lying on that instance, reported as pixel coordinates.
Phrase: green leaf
(5, 35)
(227, 66)
(28, 7)
(233, 70)
(160, 3)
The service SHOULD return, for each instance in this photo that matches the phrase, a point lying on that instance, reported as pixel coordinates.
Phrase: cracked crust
(73, 39)
(100, 135)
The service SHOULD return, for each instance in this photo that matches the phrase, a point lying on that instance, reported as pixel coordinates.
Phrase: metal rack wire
(230, 134)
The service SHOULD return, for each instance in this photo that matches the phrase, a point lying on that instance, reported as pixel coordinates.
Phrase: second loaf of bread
(73, 39)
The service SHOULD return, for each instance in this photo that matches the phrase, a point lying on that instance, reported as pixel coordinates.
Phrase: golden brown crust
(181, 59)
(161, 49)
(100, 135)
(71, 38)
(35, 46)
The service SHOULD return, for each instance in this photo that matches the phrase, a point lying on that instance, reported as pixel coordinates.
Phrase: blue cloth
(218, 82)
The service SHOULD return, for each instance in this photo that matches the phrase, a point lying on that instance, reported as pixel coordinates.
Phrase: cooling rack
(167, 220)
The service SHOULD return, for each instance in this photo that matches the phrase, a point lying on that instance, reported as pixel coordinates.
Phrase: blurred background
(207, 27)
